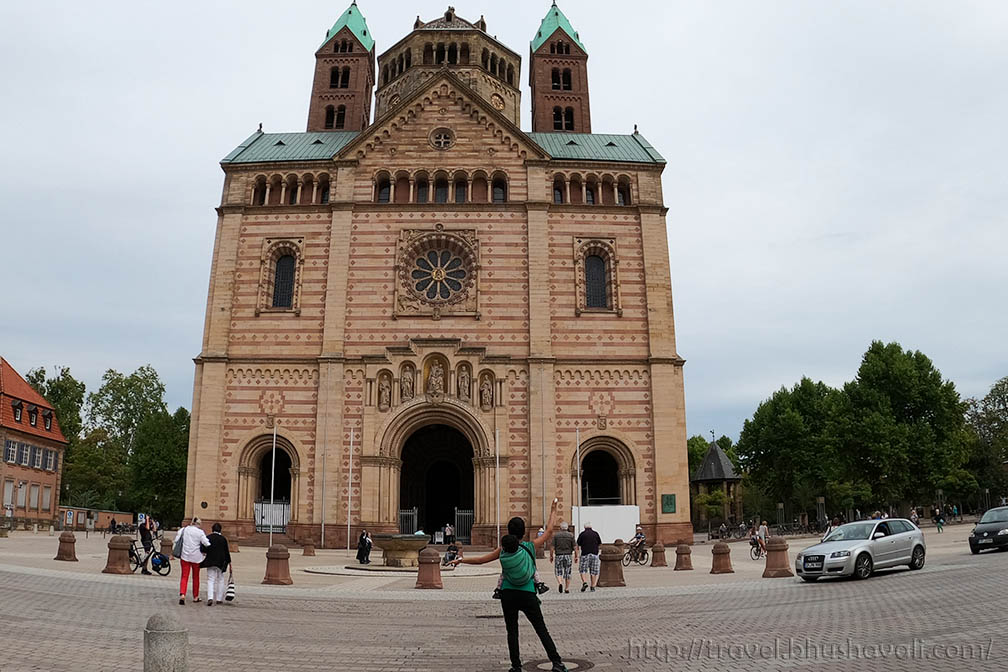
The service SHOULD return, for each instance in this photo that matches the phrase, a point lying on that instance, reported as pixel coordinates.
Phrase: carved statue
(486, 392)
(384, 393)
(435, 382)
(406, 384)
(463, 384)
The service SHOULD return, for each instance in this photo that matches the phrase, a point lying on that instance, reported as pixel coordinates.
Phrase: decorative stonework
(606, 249)
(442, 138)
(437, 272)
(272, 250)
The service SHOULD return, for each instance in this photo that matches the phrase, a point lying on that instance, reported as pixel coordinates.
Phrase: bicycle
(633, 554)
(755, 550)
(159, 562)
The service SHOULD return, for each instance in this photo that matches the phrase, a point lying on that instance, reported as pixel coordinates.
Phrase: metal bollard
(166, 644)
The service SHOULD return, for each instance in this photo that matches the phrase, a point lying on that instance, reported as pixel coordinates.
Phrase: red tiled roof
(14, 387)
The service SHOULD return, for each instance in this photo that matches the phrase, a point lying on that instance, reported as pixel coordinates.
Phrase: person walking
(146, 540)
(217, 561)
(588, 543)
(193, 541)
(518, 593)
(560, 555)
(364, 548)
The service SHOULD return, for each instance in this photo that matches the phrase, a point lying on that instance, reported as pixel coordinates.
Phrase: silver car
(858, 549)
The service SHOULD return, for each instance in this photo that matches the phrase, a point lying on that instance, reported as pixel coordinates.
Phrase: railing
(272, 517)
(463, 525)
(408, 520)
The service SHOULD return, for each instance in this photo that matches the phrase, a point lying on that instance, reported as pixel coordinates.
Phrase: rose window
(439, 275)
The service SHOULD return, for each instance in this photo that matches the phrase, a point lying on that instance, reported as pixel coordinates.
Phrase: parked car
(991, 530)
(858, 549)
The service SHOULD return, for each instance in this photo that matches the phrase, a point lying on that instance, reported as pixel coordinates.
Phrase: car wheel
(810, 579)
(974, 550)
(917, 558)
(863, 566)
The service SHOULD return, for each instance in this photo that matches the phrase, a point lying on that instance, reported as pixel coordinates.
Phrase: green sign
(668, 503)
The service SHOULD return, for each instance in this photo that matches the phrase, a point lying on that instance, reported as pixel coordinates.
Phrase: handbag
(177, 547)
(229, 594)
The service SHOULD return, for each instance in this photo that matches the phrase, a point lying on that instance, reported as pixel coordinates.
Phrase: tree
(725, 443)
(158, 465)
(65, 393)
(122, 403)
(987, 443)
(696, 449)
(96, 474)
(712, 503)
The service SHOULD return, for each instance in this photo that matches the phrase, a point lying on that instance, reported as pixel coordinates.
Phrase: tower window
(596, 295)
(345, 78)
(499, 190)
(557, 119)
(334, 78)
(283, 282)
(556, 79)
(558, 192)
(453, 53)
(566, 79)
(464, 54)
(440, 190)
(324, 191)
(623, 194)
(569, 119)
(440, 54)
(340, 117)
(330, 116)
(384, 191)
(428, 54)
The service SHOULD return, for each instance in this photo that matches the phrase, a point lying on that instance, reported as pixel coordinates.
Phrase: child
(509, 544)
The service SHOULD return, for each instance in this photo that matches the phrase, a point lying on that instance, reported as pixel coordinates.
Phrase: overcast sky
(836, 173)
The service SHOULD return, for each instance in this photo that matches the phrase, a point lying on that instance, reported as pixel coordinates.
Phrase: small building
(77, 517)
(716, 472)
(33, 452)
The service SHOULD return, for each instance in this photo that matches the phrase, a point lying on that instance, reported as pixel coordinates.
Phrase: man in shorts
(589, 543)
(560, 555)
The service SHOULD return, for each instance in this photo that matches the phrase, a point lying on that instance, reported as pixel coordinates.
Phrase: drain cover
(571, 663)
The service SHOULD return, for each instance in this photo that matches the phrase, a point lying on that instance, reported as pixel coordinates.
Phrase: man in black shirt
(589, 542)
(146, 539)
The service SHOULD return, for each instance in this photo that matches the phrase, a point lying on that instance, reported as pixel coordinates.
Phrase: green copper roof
(355, 21)
(555, 19)
(265, 147)
(598, 147)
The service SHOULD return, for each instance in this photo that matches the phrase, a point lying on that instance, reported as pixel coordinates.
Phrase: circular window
(442, 138)
(439, 275)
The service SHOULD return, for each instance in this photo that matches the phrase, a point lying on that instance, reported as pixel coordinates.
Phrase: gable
(359, 48)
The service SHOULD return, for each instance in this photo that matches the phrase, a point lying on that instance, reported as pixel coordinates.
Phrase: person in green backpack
(518, 592)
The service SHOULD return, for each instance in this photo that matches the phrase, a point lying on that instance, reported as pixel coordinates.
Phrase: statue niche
(464, 383)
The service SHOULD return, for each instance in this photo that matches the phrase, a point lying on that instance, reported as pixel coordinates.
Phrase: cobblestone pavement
(77, 619)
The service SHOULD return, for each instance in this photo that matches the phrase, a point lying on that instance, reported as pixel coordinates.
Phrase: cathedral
(434, 315)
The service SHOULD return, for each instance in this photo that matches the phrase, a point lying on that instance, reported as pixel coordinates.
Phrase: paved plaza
(69, 616)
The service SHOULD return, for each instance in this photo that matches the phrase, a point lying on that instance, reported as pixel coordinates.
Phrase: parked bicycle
(159, 562)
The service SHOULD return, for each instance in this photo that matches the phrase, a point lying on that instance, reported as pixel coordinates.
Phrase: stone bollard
(118, 556)
(166, 644)
(67, 547)
(233, 545)
(722, 559)
(308, 548)
(278, 566)
(52, 530)
(658, 555)
(611, 573)
(167, 545)
(683, 557)
(34, 528)
(777, 565)
(429, 571)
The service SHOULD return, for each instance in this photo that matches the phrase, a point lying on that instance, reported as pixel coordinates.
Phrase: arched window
(596, 294)
(349, 47)
(566, 48)
(499, 190)
(493, 64)
(340, 117)
(464, 54)
(569, 119)
(409, 58)
(590, 194)
(400, 64)
(384, 190)
(323, 190)
(422, 188)
(558, 191)
(330, 116)
(259, 194)
(623, 194)
(440, 54)
(428, 54)
(552, 47)
(283, 282)
(556, 78)
(292, 191)
(510, 74)
(486, 60)
(566, 79)
(453, 53)
(441, 190)
(461, 187)
(334, 78)
(345, 78)
(557, 119)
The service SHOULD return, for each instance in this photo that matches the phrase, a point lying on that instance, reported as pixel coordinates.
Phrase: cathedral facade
(434, 312)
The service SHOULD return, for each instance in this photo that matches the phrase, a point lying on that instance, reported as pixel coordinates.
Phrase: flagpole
(497, 477)
(577, 439)
(272, 481)
(348, 492)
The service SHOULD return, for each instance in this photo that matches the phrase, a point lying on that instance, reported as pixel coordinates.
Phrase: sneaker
(560, 588)
(197, 601)
(144, 571)
(181, 600)
(558, 667)
(541, 588)
(209, 603)
(496, 594)
(584, 587)
(593, 589)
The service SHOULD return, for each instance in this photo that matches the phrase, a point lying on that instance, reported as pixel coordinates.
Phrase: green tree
(65, 393)
(158, 465)
(987, 443)
(123, 402)
(696, 449)
(712, 504)
(96, 473)
(728, 447)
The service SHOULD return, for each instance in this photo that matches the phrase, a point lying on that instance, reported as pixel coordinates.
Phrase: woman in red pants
(193, 541)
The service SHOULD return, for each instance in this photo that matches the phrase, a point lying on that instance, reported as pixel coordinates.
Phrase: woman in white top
(193, 540)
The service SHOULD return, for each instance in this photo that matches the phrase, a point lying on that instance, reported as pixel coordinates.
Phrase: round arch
(626, 464)
(420, 413)
(256, 449)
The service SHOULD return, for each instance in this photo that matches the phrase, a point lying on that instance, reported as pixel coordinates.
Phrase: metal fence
(408, 520)
(463, 525)
(272, 517)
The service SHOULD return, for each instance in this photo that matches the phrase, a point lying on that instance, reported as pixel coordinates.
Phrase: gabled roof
(14, 388)
(355, 21)
(715, 467)
(311, 146)
(598, 147)
(553, 20)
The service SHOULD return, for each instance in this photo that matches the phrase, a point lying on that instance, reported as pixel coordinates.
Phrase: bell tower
(344, 76)
(558, 75)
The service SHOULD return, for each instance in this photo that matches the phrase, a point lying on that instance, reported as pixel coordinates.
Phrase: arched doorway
(256, 472)
(600, 484)
(437, 480)
(279, 476)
